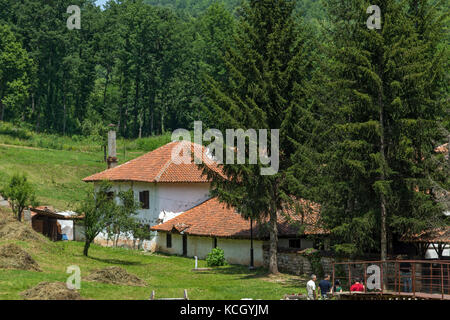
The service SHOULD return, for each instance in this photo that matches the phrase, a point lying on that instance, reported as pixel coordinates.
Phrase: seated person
(357, 286)
(337, 287)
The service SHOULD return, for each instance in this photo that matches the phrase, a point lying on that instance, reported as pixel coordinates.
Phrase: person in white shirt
(311, 288)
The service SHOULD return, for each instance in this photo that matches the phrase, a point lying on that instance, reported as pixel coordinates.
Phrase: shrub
(216, 258)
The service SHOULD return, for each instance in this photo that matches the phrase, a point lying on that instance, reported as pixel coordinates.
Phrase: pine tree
(268, 69)
(386, 122)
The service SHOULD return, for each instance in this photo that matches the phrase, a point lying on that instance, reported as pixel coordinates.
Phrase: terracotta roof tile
(214, 219)
(158, 166)
(441, 235)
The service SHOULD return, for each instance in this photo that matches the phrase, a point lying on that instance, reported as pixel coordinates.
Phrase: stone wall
(297, 263)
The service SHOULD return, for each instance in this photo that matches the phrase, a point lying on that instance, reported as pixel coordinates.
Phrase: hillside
(56, 164)
(167, 275)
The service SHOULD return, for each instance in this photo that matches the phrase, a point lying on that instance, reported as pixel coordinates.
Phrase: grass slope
(55, 165)
(167, 275)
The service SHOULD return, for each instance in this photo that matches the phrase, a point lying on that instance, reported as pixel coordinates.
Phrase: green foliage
(316, 265)
(267, 88)
(216, 258)
(384, 120)
(122, 220)
(15, 73)
(20, 194)
(98, 210)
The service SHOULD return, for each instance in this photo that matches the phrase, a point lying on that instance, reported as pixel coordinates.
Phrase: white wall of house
(237, 251)
(167, 200)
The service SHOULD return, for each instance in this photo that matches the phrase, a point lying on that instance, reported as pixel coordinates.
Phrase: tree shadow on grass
(242, 272)
(118, 261)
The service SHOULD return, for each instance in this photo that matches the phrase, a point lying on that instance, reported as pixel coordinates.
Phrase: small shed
(44, 220)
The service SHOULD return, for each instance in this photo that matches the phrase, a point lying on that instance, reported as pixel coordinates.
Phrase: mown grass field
(167, 275)
(56, 165)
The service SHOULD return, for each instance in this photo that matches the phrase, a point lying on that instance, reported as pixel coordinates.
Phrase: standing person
(325, 287)
(311, 288)
(405, 271)
(357, 286)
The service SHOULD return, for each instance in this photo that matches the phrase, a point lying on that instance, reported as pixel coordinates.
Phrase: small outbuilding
(45, 220)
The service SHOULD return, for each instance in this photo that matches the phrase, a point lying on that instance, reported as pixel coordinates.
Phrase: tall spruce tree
(386, 117)
(268, 70)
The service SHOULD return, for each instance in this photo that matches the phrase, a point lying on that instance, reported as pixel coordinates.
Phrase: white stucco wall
(236, 251)
(167, 200)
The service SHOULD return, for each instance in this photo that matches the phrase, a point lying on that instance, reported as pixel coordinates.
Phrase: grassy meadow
(167, 275)
(56, 164)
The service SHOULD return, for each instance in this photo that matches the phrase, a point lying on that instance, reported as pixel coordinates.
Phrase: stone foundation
(297, 263)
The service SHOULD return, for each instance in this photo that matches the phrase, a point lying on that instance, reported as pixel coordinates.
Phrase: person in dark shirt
(405, 271)
(325, 287)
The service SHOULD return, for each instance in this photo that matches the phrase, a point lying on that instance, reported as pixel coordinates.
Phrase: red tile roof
(441, 235)
(442, 149)
(214, 219)
(158, 166)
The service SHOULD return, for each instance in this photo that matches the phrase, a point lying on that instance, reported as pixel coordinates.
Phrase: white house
(185, 221)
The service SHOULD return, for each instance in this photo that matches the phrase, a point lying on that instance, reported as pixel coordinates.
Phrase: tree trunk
(2, 110)
(273, 263)
(106, 88)
(87, 244)
(383, 240)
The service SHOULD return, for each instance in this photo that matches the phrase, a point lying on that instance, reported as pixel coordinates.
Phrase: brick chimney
(112, 155)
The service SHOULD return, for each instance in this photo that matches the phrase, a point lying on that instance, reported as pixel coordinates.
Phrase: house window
(215, 243)
(110, 195)
(168, 240)
(294, 243)
(144, 199)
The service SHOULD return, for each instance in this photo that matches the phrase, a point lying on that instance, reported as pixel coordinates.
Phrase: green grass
(167, 275)
(55, 165)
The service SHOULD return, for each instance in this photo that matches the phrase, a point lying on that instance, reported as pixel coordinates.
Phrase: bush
(216, 258)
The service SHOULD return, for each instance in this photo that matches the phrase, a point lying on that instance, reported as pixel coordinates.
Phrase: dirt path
(21, 147)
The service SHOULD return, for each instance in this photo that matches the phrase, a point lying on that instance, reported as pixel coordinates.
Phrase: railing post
(365, 277)
(349, 277)
(399, 278)
(442, 280)
(414, 279)
(333, 283)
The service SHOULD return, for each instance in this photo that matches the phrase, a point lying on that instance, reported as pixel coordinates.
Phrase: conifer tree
(268, 69)
(386, 116)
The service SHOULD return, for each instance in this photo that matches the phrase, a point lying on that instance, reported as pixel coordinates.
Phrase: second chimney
(112, 155)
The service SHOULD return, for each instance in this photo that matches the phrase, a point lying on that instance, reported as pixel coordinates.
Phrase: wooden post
(413, 279)
(442, 280)
(365, 277)
(333, 281)
(349, 277)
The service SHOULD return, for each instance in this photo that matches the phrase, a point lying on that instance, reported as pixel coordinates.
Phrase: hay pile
(116, 275)
(51, 291)
(11, 229)
(14, 257)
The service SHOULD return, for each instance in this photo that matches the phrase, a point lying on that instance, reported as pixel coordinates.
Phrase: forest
(360, 111)
(134, 64)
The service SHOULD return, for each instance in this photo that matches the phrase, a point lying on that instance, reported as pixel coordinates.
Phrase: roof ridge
(163, 169)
